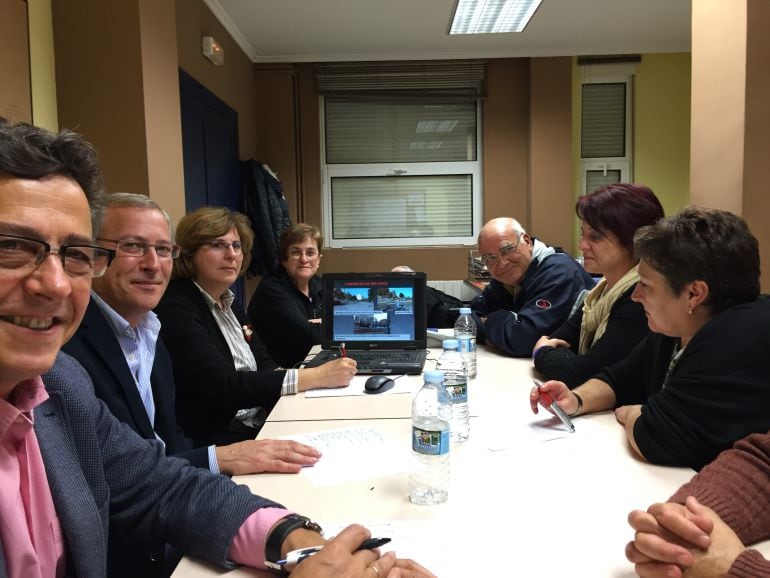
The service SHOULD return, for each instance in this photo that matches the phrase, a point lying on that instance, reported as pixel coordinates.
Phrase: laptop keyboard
(363, 357)
(390, 356)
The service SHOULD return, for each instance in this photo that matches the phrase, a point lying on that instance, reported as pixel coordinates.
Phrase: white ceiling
(360, 30)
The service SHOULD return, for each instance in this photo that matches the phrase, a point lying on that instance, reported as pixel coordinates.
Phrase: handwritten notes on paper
(355, 453)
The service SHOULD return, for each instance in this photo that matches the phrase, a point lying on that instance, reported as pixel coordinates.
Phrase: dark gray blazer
(96, 348)
(102, 473)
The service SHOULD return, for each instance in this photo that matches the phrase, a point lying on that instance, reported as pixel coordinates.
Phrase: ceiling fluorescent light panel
(492, 16)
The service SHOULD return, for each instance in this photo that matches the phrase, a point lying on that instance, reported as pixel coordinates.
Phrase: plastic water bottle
(451, 362)
(465, 333)
(431, 412)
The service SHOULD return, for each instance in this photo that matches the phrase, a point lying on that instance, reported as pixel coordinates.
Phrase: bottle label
(467, 344)
(458, 392)
(429, 442)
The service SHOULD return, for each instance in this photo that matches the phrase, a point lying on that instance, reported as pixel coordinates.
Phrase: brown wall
(232, 82)
(291, 108)
(100, 87)
(730, 163)
(506, 140)
(756, 201)
(277, 141)
(551, 151)
(116, 77)
(163, 126)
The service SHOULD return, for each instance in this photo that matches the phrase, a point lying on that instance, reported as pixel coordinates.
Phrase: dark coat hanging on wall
(263, 202)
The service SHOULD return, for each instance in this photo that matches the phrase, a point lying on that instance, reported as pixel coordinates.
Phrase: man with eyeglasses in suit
(119, 346)
(533, 289)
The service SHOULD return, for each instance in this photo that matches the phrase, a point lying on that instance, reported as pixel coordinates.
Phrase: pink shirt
(29, 528)
(32, 537)
(248, 546)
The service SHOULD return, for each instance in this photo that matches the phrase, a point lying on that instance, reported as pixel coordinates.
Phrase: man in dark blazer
(71, 472)
(114, 343)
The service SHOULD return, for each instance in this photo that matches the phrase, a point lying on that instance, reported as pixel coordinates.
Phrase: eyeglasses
(221, 245)
(493, 259)
(139, 248)
(310, 254)
(78, 260)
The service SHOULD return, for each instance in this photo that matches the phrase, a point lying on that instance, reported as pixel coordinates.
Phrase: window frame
(610, 74)
(407, 169)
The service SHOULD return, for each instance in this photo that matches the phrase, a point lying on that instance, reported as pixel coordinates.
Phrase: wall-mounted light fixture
(213, 51)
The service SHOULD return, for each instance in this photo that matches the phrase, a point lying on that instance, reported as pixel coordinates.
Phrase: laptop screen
(374, 310)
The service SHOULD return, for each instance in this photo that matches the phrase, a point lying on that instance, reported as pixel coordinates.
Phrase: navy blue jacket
(547, 294)
(97, 349)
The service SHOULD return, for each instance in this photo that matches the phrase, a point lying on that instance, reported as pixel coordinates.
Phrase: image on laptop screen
(373, 309)
(363, 309)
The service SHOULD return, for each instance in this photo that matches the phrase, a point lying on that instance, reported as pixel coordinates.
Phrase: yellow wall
(42, 65)
(662, 128)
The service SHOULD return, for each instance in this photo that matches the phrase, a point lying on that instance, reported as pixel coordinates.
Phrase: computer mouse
(378, 384)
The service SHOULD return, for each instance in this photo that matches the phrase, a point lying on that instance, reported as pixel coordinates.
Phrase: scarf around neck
(597, 306)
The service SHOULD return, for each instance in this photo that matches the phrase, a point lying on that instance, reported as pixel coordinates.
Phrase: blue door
(210, 150)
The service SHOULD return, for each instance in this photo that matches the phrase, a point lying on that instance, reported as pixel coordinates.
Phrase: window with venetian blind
(401, 153)
(605, 121)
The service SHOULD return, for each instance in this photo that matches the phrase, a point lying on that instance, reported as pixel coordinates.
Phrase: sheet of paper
(500, 434)
(356, 387)
(356, 453)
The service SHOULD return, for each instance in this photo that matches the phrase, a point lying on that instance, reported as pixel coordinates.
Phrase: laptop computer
(380, 317)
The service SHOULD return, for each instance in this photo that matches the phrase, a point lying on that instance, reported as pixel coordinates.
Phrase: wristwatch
(278, 535)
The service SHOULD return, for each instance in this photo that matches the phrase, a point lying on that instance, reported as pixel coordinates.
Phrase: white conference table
(518, 506)
(501, 380)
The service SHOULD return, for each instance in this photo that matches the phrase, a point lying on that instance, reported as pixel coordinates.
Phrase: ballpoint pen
(296, 556)
(548, 402)
(343, 351)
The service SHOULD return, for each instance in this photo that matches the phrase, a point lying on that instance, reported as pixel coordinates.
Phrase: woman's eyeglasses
(310, 254)
(222, 246)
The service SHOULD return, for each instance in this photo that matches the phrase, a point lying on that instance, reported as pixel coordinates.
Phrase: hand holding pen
(342, 556)
(296, 556)
(546, 399)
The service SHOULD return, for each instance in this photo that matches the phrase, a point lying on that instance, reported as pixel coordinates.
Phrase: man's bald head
(505, 235)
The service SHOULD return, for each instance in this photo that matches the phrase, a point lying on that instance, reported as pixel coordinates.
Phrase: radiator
(456, 288)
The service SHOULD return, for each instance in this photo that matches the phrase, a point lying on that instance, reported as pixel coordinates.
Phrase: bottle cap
(450, 344)
(434, 376)
(465, 310)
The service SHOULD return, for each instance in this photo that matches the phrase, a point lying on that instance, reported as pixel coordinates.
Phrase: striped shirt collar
(120, 326)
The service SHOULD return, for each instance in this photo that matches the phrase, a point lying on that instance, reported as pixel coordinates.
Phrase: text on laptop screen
(374, 310)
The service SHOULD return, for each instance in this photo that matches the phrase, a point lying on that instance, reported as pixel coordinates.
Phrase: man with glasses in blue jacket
(533, 289)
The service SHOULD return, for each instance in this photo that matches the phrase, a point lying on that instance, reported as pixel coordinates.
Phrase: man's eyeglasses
(310, 254)
(140, 248)
(78, 260)
(492, 259)
(222, 246)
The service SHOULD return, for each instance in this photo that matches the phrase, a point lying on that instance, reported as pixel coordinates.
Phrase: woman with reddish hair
(609, 324)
